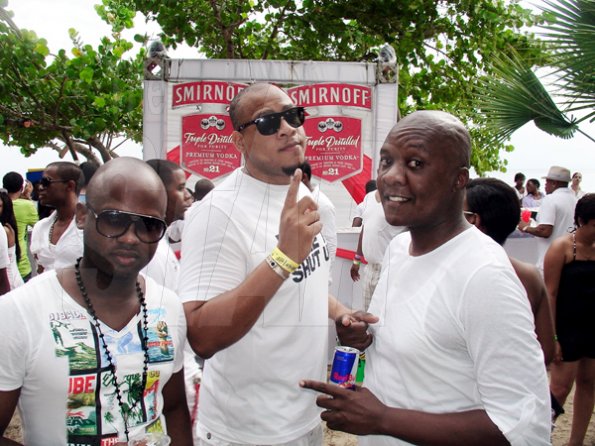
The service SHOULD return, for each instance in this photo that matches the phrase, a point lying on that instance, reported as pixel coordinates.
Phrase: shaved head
(441, 130)
(123, 176)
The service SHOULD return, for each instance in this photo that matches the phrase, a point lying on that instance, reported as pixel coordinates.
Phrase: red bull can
(344, 367)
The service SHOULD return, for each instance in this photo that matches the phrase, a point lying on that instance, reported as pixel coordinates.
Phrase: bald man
(98, 358)
(454, 358)
(254, 279)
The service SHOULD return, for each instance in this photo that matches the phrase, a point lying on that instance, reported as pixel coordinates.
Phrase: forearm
(463, 428)
(175, 410)
(336, 309)
(220, 322)
(543, 231)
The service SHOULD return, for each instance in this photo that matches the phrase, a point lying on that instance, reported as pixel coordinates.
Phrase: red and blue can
(344, 369)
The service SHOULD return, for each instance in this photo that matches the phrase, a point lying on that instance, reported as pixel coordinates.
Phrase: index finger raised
(294, 186)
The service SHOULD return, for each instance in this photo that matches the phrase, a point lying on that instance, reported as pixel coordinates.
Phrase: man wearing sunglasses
(254, 279)
(55, 241)
(98, 358)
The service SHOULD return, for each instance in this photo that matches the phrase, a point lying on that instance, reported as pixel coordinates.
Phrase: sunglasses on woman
(112, 223)
(269, 124)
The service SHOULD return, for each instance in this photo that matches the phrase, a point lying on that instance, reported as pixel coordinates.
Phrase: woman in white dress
(8, 221)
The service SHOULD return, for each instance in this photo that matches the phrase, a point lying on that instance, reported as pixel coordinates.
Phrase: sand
(334, 438)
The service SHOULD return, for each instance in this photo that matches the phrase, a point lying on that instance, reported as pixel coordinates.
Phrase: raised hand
(300, 222)
(352, 329)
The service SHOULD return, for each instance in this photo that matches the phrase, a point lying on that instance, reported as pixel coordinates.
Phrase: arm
(553, 263)
(540, 305)
(175, 410)
(543, 231)
(221, 321)
(355, 267)
(8, 404)
(4, 283)
(360, 412)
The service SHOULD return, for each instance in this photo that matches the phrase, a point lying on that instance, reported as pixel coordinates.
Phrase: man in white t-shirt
(254, 279)
(374, 238)
(454, 358)
(56, 242)
(98, 355)
(556, 213)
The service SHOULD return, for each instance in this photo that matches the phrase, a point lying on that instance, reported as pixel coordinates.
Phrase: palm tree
(516, 95)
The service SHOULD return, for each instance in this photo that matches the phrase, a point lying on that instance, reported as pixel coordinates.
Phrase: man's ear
(80, 215)
(238, 140)
(462, 178)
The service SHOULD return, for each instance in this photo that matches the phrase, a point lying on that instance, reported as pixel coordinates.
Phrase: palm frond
(571, 35)
(515, 96)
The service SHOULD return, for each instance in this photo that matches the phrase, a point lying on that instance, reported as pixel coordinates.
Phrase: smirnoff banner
(334, 149)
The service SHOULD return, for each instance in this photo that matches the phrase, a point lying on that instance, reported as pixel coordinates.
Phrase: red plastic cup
(525, 215)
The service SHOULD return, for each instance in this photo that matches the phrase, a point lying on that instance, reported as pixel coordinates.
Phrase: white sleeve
(14, 346)
(181, 328)
(546, 215)
(511, 376)
(213, 260)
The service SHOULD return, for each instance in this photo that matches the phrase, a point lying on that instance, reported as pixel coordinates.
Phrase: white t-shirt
(250, 392)
(327, 213)
(50, 350)
(456, 333)
(164, 267)
(61, 255)
(557, 209)
(378, 233)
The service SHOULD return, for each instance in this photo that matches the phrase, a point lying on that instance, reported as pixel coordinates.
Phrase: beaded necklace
(125, 410)
(52, 229)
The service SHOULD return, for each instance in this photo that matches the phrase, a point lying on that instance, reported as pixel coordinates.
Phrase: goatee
(289, 171)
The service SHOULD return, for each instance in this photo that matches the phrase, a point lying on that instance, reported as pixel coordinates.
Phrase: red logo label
(207, 148)
(331, 94)
(334, 147)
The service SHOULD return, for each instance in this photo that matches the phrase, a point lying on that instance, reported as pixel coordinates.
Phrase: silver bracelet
(277, 268)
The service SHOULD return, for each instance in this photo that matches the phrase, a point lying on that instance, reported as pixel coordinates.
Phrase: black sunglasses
(47, 182)
(269, 124)
(112, 223)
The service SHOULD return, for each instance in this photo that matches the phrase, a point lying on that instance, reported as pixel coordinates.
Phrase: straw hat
(557, 173)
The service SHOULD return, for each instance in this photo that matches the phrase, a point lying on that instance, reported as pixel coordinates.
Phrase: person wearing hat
(555, 216)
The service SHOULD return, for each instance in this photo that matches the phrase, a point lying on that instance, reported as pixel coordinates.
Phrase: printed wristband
(555, 338)
(275, 267)
(283, 261)
(357, 262)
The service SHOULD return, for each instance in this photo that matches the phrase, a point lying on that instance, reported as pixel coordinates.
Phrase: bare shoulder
(530, 278)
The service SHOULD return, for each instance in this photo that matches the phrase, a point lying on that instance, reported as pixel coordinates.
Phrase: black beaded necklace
(124, 410)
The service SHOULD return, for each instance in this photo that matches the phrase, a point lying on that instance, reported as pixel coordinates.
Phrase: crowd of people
(143, 289)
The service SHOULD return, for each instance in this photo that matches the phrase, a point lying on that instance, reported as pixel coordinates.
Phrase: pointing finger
(294, 186)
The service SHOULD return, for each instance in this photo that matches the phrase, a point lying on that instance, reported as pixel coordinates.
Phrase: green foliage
(442, 47)
(79, 102)
(516, 95)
